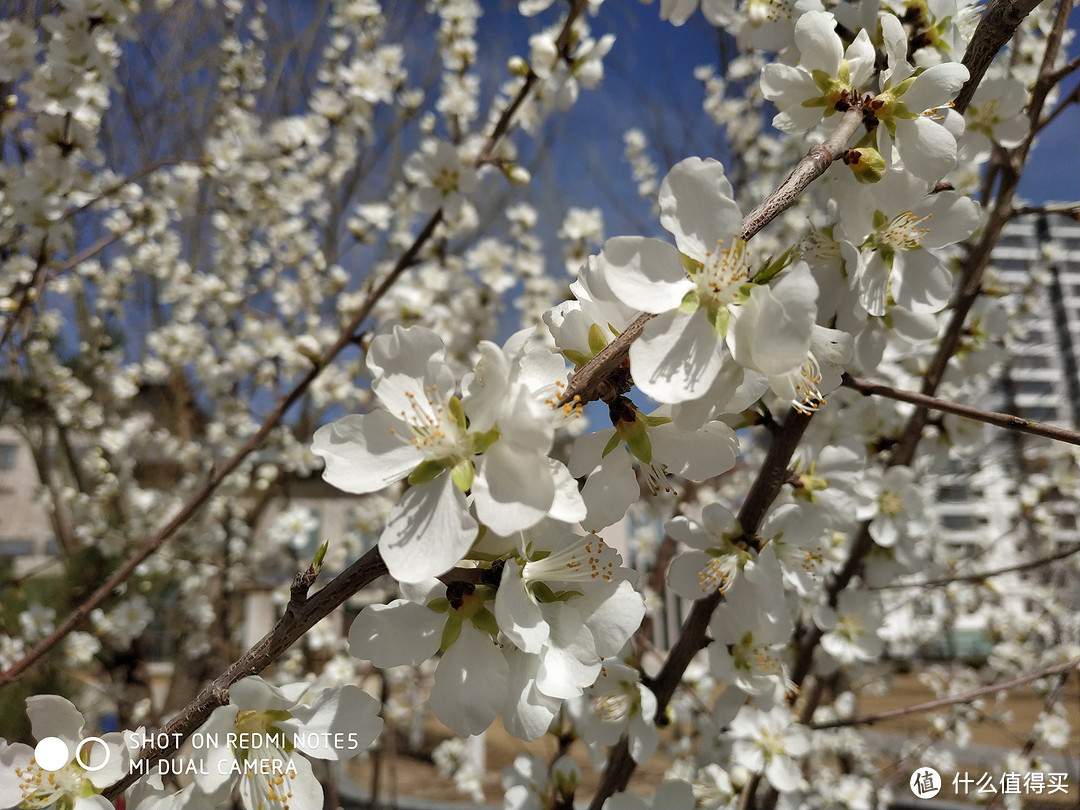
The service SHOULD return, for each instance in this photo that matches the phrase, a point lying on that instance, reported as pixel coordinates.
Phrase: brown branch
(980, 576)
(997, 26)
(1071, 209)
(301, 614)
(770, 478)
(966, 697)
(583, 386)
(1001, 420)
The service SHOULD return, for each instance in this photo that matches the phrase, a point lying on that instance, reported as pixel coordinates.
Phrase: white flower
(891, 501)
(616, 703)
(441, 179)
(751, 630)
(718, 554)
(568, 600)
(768, 743)
(694, 289)
(660, 448)
(851, 628)
(898, 229)
(826, 80)
(492, 442)
(51, 773)
(267, 725)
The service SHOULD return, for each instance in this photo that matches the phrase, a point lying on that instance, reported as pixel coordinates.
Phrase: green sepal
(905, 85)
(440, 604)
(536, 556)
(458, 410)
(720, 320)
(597, 341)
(880, 220)
(482, 441)
(576, 357)
(427, 470)
(613, 442)
(637, 439)
(844, 74)
(690, 302)
(690, 265)
(824, 82)
(451, 630)
(462, 475)
(656, 421)
(566, 596)
(484, 620)
(773, 266)
(542, 592)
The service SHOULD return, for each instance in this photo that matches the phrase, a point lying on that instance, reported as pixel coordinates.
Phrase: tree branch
(1001, 420)
(301, 614)
(966, 697)
(981, 576)
(770, 478)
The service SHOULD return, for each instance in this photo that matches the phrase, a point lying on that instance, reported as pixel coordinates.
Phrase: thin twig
(966, 697)
(1001, 420)
(1071, 209)
(981, 576)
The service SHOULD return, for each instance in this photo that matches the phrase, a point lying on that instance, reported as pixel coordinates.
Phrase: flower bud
(866, 163)
(517, 66)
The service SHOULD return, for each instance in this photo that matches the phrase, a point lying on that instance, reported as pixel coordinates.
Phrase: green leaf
(320, 555)
(720, 320)
(462, 475)
(542, 592)
(773, 266)
(639, 443)
(690, 265)
(597, 341)
(566, 596)
(427, 470)
(440, 604)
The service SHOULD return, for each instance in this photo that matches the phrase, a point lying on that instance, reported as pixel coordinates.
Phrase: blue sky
(649, 83)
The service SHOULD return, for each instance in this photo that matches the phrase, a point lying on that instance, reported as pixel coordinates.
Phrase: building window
(16, 547)
(7, 456)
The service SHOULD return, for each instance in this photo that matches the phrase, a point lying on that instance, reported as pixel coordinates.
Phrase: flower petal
(677, 357)
(366, 452)
(697, 207)
(428, 531)
(376, 634)
(645, 274)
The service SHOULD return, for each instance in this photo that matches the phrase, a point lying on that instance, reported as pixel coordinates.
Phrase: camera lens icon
(52, 754)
